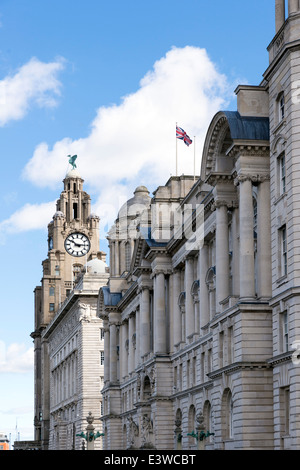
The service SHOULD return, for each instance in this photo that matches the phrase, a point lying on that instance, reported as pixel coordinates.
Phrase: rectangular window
(283, 251)
(51, 290)
(51, 307)
(281, 107)
(285, 331)
(102, 358)
(101, 334)
(282, 179)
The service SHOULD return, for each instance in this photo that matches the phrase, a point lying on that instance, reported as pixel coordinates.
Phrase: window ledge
(279, 198)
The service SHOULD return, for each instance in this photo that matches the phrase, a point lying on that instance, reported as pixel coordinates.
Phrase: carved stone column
(204, 304)
(144, 321)
(113, 366)
(222, 253)
(124, 348)
(264, 282)
(106, 352)
(131, 330)
(279, 13)
(189, 305)
(293, 6)
(247, 281)
(160, 314)
(176, 309)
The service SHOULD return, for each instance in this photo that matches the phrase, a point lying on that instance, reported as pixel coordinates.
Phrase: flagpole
(194, 158)
(176, 153)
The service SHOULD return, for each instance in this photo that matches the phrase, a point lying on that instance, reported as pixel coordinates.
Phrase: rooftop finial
(72, 160)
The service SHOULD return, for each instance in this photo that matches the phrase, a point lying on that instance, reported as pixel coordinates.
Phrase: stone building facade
(201, 309)
(68, 336)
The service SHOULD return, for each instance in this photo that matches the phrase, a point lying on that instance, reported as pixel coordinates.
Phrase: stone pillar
(279, 14)
(124, 349)
(131, 330)
(117, 258)
(137, 355)
(113, 367)
(264, 282)
(112, 257)
(293, 6)
(204, 305)
(160, 314)
(222, 253)
(247, 281)
(189, 305)
(235, 260)
(144, 321)
(176, 309)
(106, 352)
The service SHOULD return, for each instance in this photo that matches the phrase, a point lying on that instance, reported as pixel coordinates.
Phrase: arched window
(227, 415)
(192, 425)
(207, 413)
(181, 303)
(146, 388)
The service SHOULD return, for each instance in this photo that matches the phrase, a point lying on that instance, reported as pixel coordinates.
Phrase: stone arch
(195, 289)
(208, 419)
(227, 413)
(278, 145)
(218, 140)
(146, 388)
(191, 423)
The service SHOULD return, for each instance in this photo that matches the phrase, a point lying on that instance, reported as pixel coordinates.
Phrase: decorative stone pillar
(279, 14)
(131, 330)
(189, 305)
(117, 258)
(124, 349)
(160, 314)
(106, 352)
(112, 257)
(247, 281)
(137, 338)
(144, 321)
(176, 309)
(113, 353)
(293, 6)
(204, 304)
(264, 282)
(222, 253)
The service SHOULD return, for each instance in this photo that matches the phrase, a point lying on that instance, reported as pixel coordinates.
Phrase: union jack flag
(182, 135)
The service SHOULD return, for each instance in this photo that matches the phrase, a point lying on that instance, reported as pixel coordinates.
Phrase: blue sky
(107, 81)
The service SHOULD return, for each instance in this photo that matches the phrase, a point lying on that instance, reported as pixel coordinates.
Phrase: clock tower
(73, 240)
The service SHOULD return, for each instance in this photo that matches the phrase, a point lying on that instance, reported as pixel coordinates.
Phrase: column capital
(255, 179)
(158, 270)
(224, 203)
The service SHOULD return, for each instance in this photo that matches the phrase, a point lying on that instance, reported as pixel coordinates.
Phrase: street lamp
(90, 435)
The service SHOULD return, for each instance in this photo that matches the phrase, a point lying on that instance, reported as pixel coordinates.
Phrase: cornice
(236, 366)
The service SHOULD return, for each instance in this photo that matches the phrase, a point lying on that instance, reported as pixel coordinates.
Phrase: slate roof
(247, 127)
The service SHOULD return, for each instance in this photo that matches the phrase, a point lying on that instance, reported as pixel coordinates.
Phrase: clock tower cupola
(73, 240)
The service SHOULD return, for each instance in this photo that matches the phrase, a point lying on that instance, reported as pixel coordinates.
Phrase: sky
(107, 81)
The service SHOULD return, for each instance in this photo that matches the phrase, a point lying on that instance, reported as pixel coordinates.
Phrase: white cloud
(134, 142)
(28, 217)
(34, 83)
(15, 358)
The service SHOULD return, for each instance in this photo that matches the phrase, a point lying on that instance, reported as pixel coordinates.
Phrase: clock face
(77, 244)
